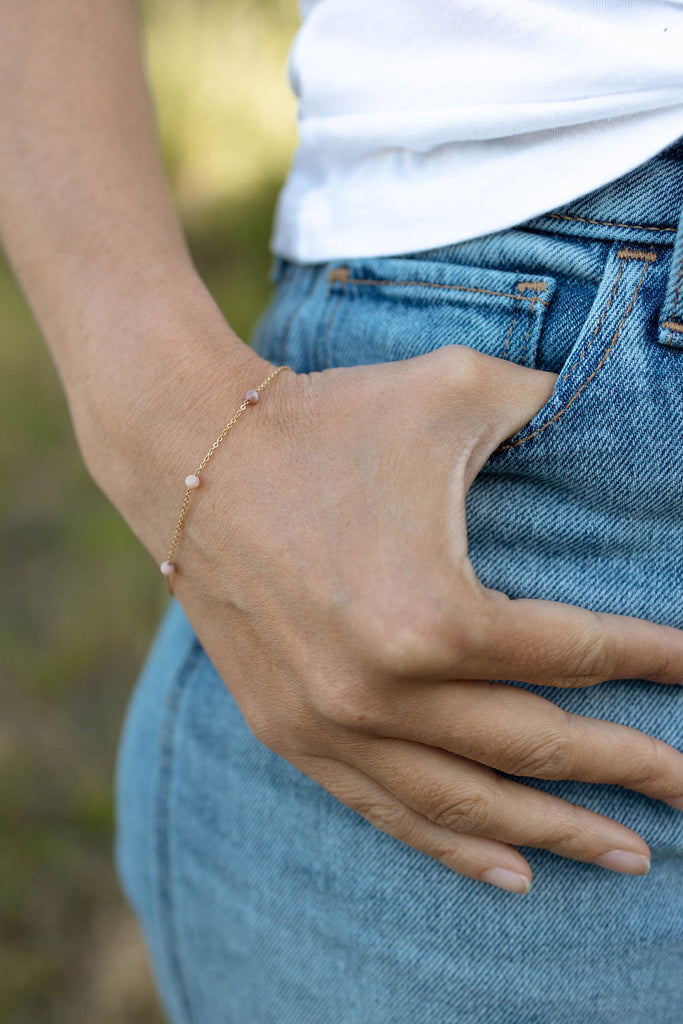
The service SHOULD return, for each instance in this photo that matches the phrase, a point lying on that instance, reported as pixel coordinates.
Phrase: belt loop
(671, 319)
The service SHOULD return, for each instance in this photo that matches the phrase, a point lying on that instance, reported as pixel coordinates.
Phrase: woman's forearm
(84, 210)
(90, 230)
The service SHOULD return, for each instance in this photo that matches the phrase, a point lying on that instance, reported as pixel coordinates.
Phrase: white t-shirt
(426, 122)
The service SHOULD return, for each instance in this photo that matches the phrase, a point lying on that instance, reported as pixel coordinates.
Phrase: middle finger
(468, 798)
(522, 733)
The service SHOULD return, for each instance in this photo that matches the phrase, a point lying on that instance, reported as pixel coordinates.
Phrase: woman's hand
(324, 568)
(324, 563)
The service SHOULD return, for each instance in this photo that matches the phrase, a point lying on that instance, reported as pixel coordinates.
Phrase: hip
(263, 898)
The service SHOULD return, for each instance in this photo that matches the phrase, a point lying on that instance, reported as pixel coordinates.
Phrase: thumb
(507, 396)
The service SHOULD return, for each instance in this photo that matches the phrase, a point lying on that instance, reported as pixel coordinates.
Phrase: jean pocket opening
(392, 308)
(615, 303)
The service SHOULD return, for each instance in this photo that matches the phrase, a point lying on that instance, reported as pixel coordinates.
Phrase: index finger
(556, 644)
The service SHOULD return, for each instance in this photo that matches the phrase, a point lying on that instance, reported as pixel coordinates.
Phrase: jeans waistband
(643, 207)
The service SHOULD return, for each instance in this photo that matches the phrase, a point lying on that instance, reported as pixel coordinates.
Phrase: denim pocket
(617, 305)
(389, 308)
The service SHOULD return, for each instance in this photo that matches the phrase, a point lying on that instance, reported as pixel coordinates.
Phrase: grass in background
(80, 597)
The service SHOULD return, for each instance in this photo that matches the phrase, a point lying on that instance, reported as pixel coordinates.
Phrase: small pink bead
(252, 397)
(168, 568)
(192, 481)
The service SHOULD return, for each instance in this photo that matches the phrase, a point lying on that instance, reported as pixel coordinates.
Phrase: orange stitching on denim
(340, 275)
(678, 285)
(532, 286)
(599, 323)
(623, 254)
(676, 298)
(535, 286)
(608, 223)
(528, 331)
(673, 326)
(512, 326)
(637, 254)
(538, 286)
(576, 394)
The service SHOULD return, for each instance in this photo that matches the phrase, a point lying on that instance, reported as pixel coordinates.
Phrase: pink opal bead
(192, 481)
(168, 568)
(252, 397)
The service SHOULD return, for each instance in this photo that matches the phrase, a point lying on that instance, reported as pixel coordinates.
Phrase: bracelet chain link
(169, 568)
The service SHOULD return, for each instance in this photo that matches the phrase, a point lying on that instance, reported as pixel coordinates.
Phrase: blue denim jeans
(264, 900)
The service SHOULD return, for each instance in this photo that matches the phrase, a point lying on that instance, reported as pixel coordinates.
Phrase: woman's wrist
(147, 402)
(149, 366)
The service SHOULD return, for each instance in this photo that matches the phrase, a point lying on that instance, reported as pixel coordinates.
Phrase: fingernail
(676, 801)
(505, 879)
(625, 862)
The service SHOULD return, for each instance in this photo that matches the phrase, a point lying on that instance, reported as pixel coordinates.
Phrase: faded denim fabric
(263, 898)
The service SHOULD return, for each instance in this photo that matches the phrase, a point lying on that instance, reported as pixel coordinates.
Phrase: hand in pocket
(329, 582)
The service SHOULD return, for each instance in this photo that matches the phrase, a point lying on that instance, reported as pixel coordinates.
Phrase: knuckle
(591, 653)
(464, 811)
(348, 702)
(409, 630)
(470, 368)
(407, 647)
(387, 816)
(583, 656)
(568, 830)
(664, 665)
(403, 650)
(651, 766)
(547, 757)
(429, 639)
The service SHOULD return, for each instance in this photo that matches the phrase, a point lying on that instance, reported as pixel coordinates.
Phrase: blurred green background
(81, 598)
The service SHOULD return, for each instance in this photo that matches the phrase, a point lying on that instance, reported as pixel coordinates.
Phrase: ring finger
(522, 733)
(469, 798)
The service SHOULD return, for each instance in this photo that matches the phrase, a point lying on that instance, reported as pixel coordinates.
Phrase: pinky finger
(476, 857)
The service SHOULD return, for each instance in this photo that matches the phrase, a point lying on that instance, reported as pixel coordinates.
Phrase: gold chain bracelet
(169, 568)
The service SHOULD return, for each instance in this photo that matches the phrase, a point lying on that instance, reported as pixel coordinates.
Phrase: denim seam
(285, 332)
(528, 330)
(608, 223)
(518, 306)
(637, 254)
(324, 344)
(535, 286)
(166, 753)
(446, 287)
(676, 298)
(615, 338)
(284, 338)
(599, 323)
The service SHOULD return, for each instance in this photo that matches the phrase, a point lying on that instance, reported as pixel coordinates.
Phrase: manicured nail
(625, 862)
(505, 879)
(676, 801)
